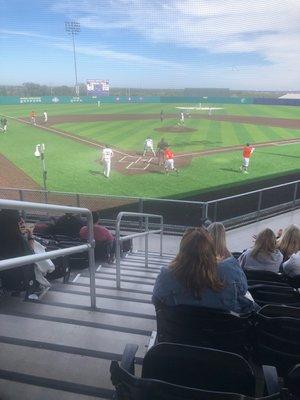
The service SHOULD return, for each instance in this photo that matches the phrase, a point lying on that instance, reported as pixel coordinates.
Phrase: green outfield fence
(13, 100)
(231, 210)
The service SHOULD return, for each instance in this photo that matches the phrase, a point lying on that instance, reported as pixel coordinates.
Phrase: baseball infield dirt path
(12, 176)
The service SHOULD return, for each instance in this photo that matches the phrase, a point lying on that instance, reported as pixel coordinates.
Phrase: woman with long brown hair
(289, 242)
(264, 255)
(195, 277)
(218, 234)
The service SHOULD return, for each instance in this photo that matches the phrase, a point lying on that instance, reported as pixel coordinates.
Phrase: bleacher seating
(277, 332)
(200, 326)
(265, 294)
(175, 371)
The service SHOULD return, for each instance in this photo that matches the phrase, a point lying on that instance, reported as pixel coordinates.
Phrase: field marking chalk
(128, 166)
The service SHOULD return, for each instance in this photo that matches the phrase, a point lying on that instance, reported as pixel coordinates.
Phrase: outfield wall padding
(14, 100)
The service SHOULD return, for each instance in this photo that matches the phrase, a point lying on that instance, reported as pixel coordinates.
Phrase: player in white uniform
(45, 117)
(107, 154)
(148, 145)
(182, 118)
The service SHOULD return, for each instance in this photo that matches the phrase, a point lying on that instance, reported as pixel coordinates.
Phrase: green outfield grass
(73, 166)
(209, 134)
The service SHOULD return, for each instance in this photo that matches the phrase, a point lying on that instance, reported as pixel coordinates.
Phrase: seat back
(294, 281)
(265, 276)
(206, 327)
(129, 387)
(277, 339)
(273, 294)
(293, 381)
(199, 367)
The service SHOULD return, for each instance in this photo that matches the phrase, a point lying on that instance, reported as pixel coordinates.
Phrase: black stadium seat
(200, 326)
(179, 372)
(273, 294)
(277, 337)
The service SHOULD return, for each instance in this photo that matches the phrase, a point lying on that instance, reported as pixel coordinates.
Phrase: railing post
(204, 212)
(146, 240)
(161, 236)
(91, 252)
(259, 205)
(215, 211)
(23, 212)
(141, 208)
(118, 252)
(295, 194)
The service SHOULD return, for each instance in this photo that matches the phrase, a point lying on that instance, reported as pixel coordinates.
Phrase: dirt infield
(14, 177)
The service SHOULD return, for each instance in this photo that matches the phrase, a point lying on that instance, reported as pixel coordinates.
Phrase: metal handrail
(24, 260)
(147, 232)
(253, 192)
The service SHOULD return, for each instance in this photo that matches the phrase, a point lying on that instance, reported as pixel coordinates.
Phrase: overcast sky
(240, 44)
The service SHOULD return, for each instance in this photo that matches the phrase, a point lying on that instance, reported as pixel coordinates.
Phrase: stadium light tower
(73, 28)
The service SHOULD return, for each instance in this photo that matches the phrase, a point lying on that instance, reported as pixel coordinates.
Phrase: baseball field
(207, 148)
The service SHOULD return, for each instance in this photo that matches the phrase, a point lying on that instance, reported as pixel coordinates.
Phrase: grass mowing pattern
(72, 166)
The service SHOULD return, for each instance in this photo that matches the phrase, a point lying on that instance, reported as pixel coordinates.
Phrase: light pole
(73, 28)
(40, 152)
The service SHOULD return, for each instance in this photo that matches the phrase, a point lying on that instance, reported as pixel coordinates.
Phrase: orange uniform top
(32, 114)
(247, 152)
(169, 154)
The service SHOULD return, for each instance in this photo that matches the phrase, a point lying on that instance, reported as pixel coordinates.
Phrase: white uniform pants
(106, 166)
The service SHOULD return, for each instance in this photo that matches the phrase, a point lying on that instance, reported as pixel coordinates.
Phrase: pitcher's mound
(175, 129)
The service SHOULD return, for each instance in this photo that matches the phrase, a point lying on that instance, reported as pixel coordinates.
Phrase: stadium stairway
(57, 348)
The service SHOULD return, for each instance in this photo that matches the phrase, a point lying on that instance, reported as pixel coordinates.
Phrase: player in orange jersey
(247, 153)
(32, 116)
(169, 161)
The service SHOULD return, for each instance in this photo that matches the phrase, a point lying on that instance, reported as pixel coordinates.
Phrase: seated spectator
(291, 267)
(289, 242)
(218, 234)
(264, 255)
(14, 242)
(69, 225)
(196, 278)
(101, 236)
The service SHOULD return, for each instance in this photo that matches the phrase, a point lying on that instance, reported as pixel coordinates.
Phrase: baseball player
(32, 116)
(4, 124)
(169, 161)
(107, 154)
(161, 146)
(182, 118)
(162, 116)
(247, 153)
(45, 117)
(148, 146)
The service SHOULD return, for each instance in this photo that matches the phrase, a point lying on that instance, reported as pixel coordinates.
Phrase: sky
(237, 44)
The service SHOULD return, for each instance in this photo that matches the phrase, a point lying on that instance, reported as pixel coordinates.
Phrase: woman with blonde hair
(289, 242)
(218, 234)
(196, 278)
(264, 255)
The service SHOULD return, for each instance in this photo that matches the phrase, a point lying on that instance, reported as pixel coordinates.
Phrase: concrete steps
(57, 348)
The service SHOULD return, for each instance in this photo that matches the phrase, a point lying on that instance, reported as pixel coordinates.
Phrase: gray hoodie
(265, 262)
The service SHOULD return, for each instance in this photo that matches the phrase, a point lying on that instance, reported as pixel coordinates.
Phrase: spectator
(289, 242)
(195, 277)
(14, 242)
(101, 235)
(264, 255)
(69, 225)
(218, 234)
(291, 267)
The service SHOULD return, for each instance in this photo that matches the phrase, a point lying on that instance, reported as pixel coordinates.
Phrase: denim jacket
(169, 291)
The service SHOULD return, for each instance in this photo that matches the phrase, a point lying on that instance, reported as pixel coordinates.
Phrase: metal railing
(29, 259)
(231, 210)
(146, 233)
(290, 199)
